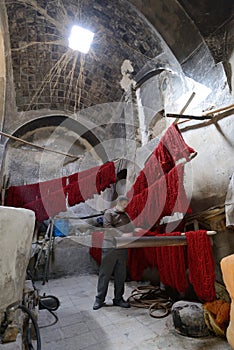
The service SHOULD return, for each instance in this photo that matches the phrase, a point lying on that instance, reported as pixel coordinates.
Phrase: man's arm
(108, 223)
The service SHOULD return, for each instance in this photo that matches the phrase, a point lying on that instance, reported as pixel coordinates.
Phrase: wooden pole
(185, 106)
(37, 146)
(193, 117)
(214, 111)
(153, 241)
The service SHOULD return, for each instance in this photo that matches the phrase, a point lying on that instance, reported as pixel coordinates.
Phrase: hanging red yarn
(48, 206)
(153, 169)
(136, 208)
(139, 185)
(17, 196)
(50, 186)
(105, 176)
(85, 184)
(171, 265)
(164, 157)
(201, 265)
(173, 141)
(55, 203)
(154, 207)
(38, 208)
(176, 197)
(73, 193)
(138, 261)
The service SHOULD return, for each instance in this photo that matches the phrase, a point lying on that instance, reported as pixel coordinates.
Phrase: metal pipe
(153, 241)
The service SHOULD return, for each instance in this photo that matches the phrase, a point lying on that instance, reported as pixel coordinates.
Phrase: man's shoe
(97, 305)
(121, 303)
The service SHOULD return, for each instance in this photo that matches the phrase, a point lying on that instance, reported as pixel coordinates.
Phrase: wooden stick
(193, 117)
(153, 241)
(37, 146)
(185, 106)
(213, 121)
(214, 111)
(188, 102)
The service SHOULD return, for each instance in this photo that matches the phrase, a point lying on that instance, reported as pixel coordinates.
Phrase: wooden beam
(37, 146)
(153, 241)
(214, 111)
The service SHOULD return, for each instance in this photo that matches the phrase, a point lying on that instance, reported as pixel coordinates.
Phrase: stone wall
(16, 233)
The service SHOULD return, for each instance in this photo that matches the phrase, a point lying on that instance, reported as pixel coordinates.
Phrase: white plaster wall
(211, 170)
(16, 232)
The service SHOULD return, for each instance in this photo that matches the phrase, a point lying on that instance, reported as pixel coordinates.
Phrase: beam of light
(80, 39)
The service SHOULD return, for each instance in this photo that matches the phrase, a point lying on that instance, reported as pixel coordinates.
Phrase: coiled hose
(151, 298)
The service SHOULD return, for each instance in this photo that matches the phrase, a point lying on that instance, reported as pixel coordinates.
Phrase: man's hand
(138, 229)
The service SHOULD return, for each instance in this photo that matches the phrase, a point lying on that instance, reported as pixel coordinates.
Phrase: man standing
(116, 223)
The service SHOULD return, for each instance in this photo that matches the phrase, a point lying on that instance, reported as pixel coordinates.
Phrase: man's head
(122, 202)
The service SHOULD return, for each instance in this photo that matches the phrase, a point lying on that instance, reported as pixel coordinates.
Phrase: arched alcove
(28, 164)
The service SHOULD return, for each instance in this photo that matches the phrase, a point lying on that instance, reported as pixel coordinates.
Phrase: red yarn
(82, 174)
(17, 196)
(138, 261)
(105, 176)
(153, 169)
(172, 266)
(173, 141)
(55, 203)
(135, 208)
(176, 197)
(162, 198)
(50, 186)
(139, 185)
(48, 206)
(201, 265)
(85, 184)
(154, 208)
(170, 262)
(73, 194)
(164, 157)
(38, 208)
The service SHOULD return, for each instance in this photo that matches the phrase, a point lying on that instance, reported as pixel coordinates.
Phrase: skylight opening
(80, 39)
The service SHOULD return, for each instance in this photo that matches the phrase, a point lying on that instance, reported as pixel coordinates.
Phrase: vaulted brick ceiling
(47, 74)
